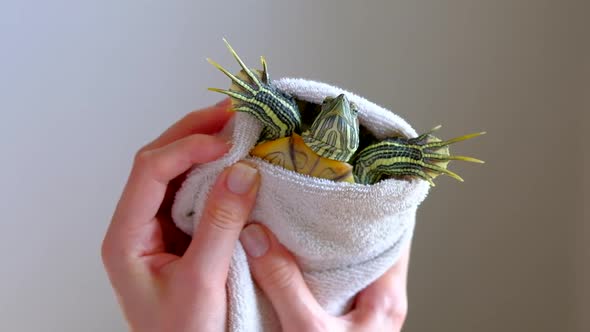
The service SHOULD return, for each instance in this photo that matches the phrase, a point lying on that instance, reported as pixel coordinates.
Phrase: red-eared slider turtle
(321, 150)
(324, 149)
(324, 143)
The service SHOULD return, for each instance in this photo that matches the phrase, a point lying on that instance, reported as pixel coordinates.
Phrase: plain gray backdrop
(83, 84)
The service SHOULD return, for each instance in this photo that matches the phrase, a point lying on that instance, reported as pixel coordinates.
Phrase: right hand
(382, 306)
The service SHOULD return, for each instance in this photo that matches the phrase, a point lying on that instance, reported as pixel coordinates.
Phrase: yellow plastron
(292, 153)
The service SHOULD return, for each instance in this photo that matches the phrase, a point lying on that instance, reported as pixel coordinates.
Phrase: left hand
(183, 287)
(380, 307)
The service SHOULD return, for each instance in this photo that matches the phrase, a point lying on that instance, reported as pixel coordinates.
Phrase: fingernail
(224, 102)
(254, 241)
(241, 178)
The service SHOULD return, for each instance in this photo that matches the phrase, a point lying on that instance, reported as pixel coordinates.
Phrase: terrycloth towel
(344, 235)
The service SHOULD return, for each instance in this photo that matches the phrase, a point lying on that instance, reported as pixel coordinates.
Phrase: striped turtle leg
(424, 157)
(251, 92)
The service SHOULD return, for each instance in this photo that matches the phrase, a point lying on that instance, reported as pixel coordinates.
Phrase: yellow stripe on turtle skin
(427, 153)
(251, 92)
(270, 113)
(334, 134)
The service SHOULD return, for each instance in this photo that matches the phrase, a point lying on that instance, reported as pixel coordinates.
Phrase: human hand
(380, 307)
(163, 291)
(165, 282)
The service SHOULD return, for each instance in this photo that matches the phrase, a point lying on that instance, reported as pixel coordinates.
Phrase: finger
(153, 169)
(208, 121)
(277, 273)
(384, 302)
(226, 211)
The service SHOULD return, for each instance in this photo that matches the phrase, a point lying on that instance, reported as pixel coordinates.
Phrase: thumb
(279, 277)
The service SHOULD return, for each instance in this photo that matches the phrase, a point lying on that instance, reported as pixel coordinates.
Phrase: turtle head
(334, 134)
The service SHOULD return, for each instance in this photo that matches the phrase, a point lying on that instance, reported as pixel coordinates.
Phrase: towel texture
(343, 235)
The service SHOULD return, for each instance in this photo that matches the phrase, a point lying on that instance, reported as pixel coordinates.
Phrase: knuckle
(392, 309)
(226, 216)
(316, 323)
(107, 252)
(398, 315)
(206, 285)
(104, 252)
(146, 161)
(112, 253)
(382, 321)
(280, 275)
(142, 158)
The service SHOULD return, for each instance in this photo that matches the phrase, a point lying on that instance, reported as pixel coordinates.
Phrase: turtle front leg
(252, 92)
(424, 157)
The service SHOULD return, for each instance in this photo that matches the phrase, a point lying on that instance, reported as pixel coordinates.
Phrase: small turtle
(324, 143)
(324, 149)
(320, 151)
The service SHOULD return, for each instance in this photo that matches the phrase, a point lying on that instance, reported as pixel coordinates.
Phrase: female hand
(166, 282)
(159, 290)
(380, 307)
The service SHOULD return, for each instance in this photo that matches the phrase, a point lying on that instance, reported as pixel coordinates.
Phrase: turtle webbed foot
(436, 155)
(251, 92)
(245, 84)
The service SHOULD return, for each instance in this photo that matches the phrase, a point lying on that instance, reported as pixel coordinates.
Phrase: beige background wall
(585, 244)
(584, 249)
(82, 86)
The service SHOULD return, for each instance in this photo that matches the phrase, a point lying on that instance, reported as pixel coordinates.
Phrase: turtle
(324, 149)
(326, 140)
(320, 150)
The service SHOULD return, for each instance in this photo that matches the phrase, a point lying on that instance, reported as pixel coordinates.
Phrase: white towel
(343, 235)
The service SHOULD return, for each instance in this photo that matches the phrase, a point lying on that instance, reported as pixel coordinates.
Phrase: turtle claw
(252, 93)
(424, 157)
(421, 174)
(465, 158)
(441, 170)
(440, 143)
(230, 93)
(264, 74)
(244, 85)
(436, 155)
(245, 68)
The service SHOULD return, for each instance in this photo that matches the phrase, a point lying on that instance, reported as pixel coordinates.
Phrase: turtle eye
(354, 108)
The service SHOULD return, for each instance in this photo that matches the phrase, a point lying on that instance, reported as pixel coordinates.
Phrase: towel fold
(344, 236)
